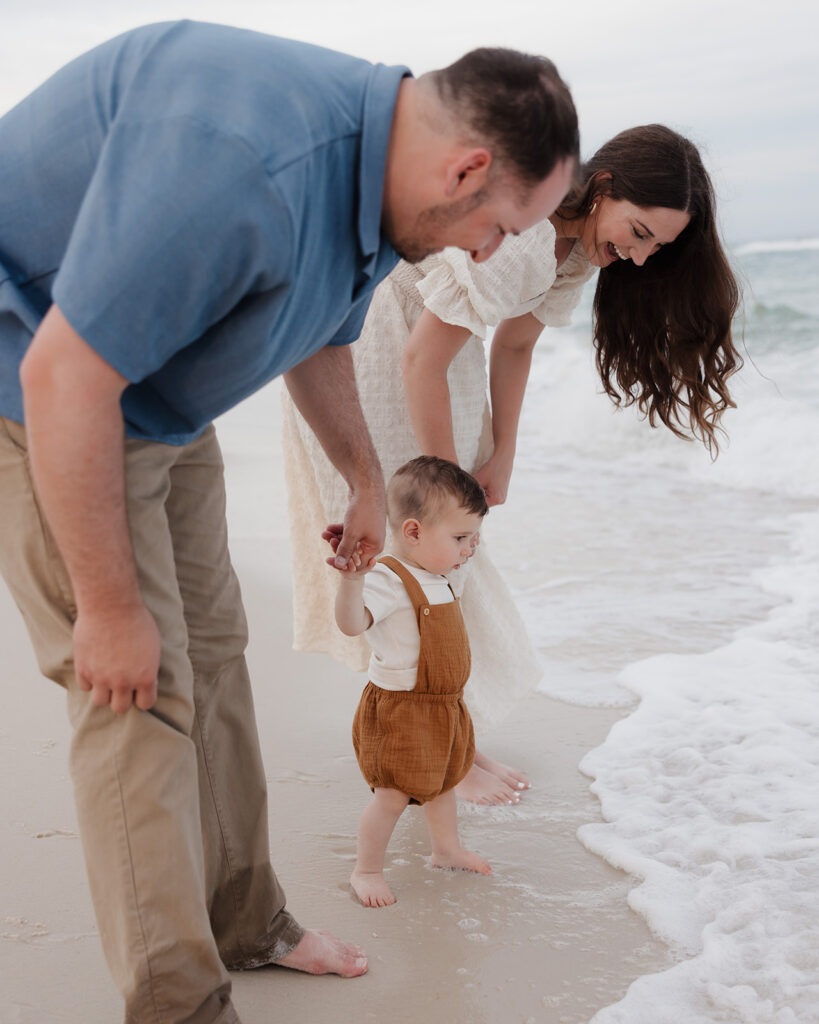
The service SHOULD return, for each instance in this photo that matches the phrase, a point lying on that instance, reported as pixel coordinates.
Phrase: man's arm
(75, 434)
(324, 391)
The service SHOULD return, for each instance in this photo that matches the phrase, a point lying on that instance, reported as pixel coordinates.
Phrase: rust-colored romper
(420, 741)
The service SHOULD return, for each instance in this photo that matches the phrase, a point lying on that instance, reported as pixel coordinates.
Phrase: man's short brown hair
(517, 105)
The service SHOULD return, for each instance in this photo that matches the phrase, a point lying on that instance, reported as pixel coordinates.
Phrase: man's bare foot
(320, 952)
(371, 889)
(466, 860)
(484, 786)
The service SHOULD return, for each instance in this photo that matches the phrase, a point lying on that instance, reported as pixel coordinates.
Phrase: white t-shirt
(393, 636)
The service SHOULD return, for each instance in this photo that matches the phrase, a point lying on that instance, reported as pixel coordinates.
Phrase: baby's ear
(411, 530)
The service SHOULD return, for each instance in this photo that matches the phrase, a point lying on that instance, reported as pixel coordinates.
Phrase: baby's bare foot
(482, 787)
(466, 860)
(371, 889)
(320, 952)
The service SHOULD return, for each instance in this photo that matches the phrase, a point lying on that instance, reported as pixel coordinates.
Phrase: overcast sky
(739, 78)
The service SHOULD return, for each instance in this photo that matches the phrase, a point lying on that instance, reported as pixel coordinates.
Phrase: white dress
(521, 277)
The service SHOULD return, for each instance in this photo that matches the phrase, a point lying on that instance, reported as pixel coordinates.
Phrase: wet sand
(548, 938)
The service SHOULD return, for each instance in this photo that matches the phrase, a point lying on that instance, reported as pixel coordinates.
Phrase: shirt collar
(379, 106)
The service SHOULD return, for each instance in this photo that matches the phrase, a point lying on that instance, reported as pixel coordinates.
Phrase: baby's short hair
(419, 489)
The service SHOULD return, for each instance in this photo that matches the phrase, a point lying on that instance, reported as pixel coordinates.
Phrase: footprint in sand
(307, 778)
(55, 833)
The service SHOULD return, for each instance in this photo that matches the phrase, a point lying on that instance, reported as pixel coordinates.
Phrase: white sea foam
(692, 588)
(709, 794)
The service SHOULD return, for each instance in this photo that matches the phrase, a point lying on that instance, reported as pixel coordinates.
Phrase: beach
(549, 937)
(664, 866)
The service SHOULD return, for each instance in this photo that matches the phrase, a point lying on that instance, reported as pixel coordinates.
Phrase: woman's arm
(509, 363)
(430, 349)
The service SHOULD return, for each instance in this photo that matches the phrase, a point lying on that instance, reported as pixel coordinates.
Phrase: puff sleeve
(510, 283)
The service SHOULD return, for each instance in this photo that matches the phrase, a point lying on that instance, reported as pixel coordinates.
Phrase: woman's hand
(494, 477)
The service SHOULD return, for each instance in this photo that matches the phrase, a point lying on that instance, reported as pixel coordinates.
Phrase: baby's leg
(447, 852)
(374, 831)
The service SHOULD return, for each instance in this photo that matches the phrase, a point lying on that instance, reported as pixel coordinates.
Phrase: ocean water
(687, 592)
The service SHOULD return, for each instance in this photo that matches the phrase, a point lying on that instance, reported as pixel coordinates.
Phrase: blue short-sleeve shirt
(203, 203)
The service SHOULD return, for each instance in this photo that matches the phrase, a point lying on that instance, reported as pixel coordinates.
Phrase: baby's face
(448, 540)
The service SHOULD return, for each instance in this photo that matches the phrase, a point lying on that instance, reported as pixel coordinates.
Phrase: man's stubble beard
(428, 234)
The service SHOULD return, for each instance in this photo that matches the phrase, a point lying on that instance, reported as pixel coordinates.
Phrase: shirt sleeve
(381, 595)
(352, 327)
(179, 224)
(479, 295)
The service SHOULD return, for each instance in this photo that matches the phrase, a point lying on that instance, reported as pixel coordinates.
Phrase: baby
(412, 733)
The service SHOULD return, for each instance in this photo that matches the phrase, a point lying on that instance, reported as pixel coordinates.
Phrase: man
(185, 213)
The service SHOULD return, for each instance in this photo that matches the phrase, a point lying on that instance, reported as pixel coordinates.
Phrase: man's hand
(116, 654)
(75, 434)
(333, 534)
(360, 538)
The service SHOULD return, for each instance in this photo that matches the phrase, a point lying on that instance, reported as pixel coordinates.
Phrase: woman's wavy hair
(662, 331)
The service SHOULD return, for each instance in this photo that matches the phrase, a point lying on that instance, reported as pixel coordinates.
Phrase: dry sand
(548, 938)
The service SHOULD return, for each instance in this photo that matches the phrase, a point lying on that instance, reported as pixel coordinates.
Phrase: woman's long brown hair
(663, 331)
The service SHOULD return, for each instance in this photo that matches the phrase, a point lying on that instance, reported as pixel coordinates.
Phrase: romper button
(426, 611)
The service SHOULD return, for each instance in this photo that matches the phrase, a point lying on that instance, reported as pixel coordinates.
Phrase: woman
(643, 212)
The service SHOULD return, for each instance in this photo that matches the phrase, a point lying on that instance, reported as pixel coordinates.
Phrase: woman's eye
(637, 234)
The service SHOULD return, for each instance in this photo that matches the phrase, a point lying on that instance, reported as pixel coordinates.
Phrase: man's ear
(411, 531)
(467, 172)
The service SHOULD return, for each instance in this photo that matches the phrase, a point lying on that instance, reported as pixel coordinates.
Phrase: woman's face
(619, 230)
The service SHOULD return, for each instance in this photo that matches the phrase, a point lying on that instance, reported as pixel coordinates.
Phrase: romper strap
(413, 587)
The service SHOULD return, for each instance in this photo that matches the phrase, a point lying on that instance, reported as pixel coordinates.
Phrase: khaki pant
(171, 802)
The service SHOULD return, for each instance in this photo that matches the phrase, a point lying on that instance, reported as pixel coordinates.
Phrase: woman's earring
(593, 207)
